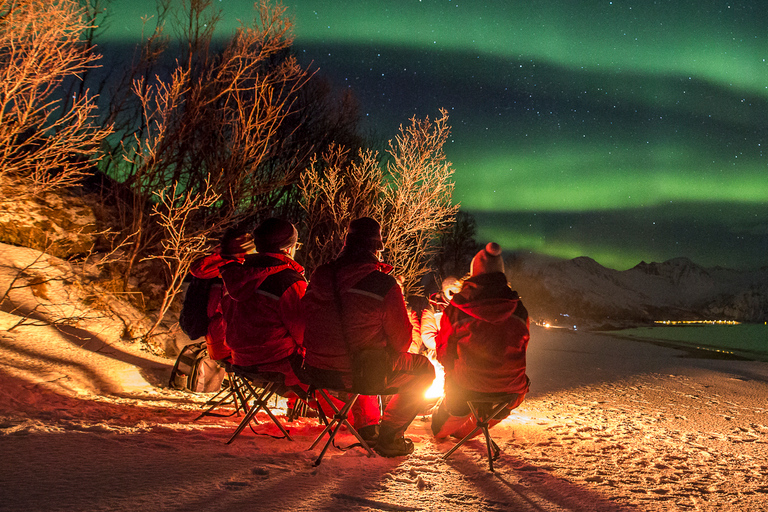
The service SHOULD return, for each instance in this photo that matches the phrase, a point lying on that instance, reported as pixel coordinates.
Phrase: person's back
(235, 244)
(265, 326)
(352, 305)
(482, 344)
(370, 315)
(484, 336)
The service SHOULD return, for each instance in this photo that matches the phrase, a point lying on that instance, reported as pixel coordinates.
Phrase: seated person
(430, 317)
(482, 343)
(354, 307)
(235, 244)
(264, 324)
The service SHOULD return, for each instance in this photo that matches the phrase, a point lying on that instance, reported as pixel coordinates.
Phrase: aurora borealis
(622, 131)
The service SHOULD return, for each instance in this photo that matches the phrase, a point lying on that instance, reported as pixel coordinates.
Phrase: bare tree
(417, 203)
(213, 124)
(184, 240)
(42, 145)
(411, 198)
(337, 189)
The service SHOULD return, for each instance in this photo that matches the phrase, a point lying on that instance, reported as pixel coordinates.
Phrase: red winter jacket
(264, 320)
(430, 320)
(372, 305)
(484, 335)
(208, 267)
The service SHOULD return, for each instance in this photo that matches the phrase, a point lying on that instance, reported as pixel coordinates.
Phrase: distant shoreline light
(696, 322)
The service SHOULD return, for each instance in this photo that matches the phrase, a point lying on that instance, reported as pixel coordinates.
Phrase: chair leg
(214, 397)
(241, 395)
(483, 424)
(464, 440)
(234, 391)
(333, 427)
(259, 402)
(216, 404)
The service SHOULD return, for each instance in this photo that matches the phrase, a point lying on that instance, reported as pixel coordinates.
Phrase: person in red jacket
(234, 245)
(353, 306)
(430, 317)
(482, 344)
(265, 327)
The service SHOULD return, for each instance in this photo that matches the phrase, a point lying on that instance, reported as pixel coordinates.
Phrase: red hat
(487, 260)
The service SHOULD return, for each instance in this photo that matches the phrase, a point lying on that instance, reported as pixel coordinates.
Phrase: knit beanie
(364, 233)
(274, 235)
(487, 260)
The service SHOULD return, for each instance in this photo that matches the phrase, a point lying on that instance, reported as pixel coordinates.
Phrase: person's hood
(243, 279)
(208, 266)
(487, 297)
(349, 270)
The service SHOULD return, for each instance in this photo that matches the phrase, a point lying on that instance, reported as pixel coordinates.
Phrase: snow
(610, 424)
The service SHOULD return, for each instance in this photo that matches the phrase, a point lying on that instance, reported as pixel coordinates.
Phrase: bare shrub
(212, 125)
(44, 145)
(411, 197)
(184, 239)
(336, 189)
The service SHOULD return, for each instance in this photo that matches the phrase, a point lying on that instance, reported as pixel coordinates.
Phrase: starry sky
(619, 130)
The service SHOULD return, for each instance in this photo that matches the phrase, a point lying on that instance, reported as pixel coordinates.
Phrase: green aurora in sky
(623, 131)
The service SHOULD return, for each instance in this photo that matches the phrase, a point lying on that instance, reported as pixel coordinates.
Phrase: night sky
(622, 131)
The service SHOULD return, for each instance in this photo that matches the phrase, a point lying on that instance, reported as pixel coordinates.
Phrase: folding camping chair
(260, 388)
(485, 410)
(340, 418)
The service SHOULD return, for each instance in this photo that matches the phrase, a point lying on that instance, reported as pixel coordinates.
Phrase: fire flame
(436, 389)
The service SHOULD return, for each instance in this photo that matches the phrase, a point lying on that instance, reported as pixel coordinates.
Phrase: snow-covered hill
(582, 292)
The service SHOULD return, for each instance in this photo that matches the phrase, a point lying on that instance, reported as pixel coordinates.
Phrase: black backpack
(195, 371)
(193, 319)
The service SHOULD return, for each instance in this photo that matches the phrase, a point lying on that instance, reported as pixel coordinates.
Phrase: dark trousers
(408, 377)
(411, 376)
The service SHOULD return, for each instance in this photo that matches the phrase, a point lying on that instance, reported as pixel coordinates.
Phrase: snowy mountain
(584, 293)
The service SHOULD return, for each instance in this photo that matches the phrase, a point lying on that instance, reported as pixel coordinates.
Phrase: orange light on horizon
(697, 322)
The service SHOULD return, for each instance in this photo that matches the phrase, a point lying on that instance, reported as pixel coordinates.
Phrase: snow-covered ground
(609, 424)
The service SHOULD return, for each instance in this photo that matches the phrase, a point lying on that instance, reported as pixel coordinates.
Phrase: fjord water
(744, 340)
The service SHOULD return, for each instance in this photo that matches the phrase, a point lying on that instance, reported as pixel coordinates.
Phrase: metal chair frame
(260, 390)
(233, 392)
(482, 422)
(340, 418)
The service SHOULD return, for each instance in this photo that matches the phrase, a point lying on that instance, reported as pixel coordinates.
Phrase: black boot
(370, 434)
(393, 444)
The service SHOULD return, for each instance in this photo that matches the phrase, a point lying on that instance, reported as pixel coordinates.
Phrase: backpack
(196, 372)
(193, 318)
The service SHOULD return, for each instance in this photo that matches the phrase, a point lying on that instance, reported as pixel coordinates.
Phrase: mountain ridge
(584, 293)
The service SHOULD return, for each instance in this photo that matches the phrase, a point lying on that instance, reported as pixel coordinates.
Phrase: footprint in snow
(233, 485)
